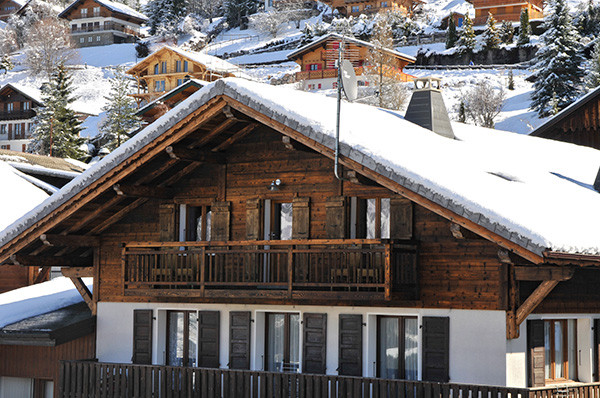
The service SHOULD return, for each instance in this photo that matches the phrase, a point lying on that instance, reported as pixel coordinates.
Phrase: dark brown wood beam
(538, 295)
(51, 261)
(85, 293)
(237, 136)
(544, 273)
(357, 178)
(195, 155)
(140, 191)
(70, 240)
(117, 216)
(212, 133)
(42, 275)
(78, 272)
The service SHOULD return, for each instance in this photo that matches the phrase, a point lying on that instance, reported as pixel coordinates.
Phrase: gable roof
(570, 110)
(539, 200)
(119, 8)
(33, 94)
(335, 36)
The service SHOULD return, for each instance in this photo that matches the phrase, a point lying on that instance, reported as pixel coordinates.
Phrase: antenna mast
(339, 108)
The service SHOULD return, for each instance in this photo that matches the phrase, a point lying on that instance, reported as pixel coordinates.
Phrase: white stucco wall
(477, 338)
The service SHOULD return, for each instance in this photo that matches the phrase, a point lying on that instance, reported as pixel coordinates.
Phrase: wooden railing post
(202, 269)
(290, 270)
(388, 271)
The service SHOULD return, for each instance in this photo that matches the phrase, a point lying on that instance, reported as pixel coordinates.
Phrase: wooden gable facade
(8, 8)
(357, 7)
(17, 111)
(195, 227)
(504, 10)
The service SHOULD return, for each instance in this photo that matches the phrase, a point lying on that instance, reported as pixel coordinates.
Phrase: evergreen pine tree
(524, 28)
(121, 118)
(165, 15)
(462, 113)
(491, 37)
(6, 64)
(558, 70)
(511, 80)
(507, 32)
(57, 128)
(238, 11)
(588, 21)
(592, 79)
(451, 33)
(466, 41)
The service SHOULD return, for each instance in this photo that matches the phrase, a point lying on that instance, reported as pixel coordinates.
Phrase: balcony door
(278, 220)
(397, 352)
(282, 342)
(182, 338)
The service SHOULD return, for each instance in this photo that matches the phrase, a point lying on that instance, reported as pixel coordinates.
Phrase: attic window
(504, 176)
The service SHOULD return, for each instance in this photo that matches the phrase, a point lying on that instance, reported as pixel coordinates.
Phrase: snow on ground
(265, 73)
(21, 197)
(272, 56)
(42, 298)
(436, 10)
(105, 56)
(91, 125)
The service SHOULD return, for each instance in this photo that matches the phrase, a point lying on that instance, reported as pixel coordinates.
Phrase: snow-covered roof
(533, 192)
(113, 6)
(38, 299)
(195, 82)
(210, 61)
(336, 36)
(32, 93)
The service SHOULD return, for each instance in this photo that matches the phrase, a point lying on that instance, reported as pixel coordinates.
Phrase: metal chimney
(427, 109)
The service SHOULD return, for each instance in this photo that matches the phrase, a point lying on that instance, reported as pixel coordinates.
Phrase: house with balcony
(102, 22)
(504, 10)
(228, 259)
(10, 7)
(17, 113)
(169, 67)
(357, 7)
(317, 61)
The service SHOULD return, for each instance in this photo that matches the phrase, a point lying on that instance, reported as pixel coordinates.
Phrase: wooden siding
(14, 276)
(40, 362)
(463, 273)
(505, 10)
(74, 13)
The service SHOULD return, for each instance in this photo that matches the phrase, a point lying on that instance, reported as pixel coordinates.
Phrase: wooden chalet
(579, 123)
(17, 111)
(170, 67)
(317, 61)
(9, 7)
(229, 261)
(357, 7)
(504, 10)
(102, 22)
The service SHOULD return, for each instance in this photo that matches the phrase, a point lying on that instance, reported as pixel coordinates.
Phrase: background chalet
(504, 10)
(17, 113)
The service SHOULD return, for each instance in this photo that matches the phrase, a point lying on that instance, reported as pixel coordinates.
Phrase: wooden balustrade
(277, 269)
(93, 379)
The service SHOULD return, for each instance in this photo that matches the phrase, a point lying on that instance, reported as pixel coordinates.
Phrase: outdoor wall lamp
(275, 185)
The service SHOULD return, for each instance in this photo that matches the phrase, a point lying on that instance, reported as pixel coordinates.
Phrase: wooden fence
(82, 379)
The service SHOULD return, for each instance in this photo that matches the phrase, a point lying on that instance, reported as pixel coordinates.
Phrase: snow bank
(20, 196)
(39, 299)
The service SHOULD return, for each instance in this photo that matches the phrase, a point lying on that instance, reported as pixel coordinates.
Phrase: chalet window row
(16, 106)
(179, 66)
(16, 131)
(296, 342)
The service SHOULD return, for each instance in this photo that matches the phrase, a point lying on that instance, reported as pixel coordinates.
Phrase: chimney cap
(428, 83)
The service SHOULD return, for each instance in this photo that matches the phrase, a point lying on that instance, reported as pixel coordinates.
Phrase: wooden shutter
(220, 221)
(239, 340)
(300, 218)
(142, 337)
(596, 350)
(315, 343)
(536, 353)
(436, 349)
(253, 219)
(167, 219)
(350, 345)
(335, 217)
(401, 218)
(208, 339)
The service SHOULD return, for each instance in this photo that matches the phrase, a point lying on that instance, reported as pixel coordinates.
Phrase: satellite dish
(349, 82)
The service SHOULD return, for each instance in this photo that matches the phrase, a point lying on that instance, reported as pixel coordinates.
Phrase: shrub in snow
(451, 37)
(48, 46)
(268, 22)
(491, 38)
(142, 50)
(6, 64)
(466, 41)
(507, 32)
(483, 103)
(343, 26)
(524, 28)
(558, 71)
(511, 80)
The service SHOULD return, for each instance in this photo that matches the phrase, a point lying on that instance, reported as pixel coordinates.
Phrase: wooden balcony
(93, 379)
(359, 269)
(17, 115)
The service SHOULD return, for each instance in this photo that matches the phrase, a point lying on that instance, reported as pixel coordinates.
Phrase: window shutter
(239, 340)
(350, 345)
(401, 218)
(596, 350)
(335, 217)
(253, 218)
(436, 349)
(315, 347)
(536, 353)
(220, 221)
(142, 337)
(167, 218)
(300, 218)
(208, 339)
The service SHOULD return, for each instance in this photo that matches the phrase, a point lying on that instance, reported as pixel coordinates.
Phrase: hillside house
(155, 109)
(504, 10)
(357, 7)
(17, 111)
(170, 67)
(317, 61)
(9, 7)
(579, 123)
(102, 22)
(433, 261)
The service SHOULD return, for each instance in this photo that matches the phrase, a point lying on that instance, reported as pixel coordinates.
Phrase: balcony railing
(17, 115)
(357, 269)
(93, 379)
(105, 27)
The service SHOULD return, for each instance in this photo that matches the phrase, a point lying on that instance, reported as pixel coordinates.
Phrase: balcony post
(388, 270)
(290, 269)
(202, 269)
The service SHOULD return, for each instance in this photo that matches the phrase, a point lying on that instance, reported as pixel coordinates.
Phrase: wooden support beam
(140, 191)
(85, 293)
(358, 178)
(235, 137)
(117, 216)
(504, 257)
(70, 240)
(534, 300)
(78, 272)
(229, 114)
(42, 275)
(213, 133)
(51, 261)
(195, 155)
(544, 273)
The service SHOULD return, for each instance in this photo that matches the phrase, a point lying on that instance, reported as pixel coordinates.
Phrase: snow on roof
(30, 92)
(38, 299)
(211, 62)
(337, 36)
(113, 6)
(531, 191)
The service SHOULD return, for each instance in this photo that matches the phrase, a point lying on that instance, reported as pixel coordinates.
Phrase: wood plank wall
(13, 277)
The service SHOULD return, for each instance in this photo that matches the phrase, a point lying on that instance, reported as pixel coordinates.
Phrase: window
(84, 12)
(560, 349)
(96, 26)
(97, 38)
(82, 39)
(3, 129)
(369, 218)
(163, 67)
(313, 67)
(90, 39)
(156, 69)
(282, 342)
(368, 6)
(198, 223)
(96, 11)
(17, 130)
(74, 28)
(185, 66)
(10, 107)
(355, 8)
(182, 338)
(397, 351)
(177, 66)
(384, 4)
(278, 220)
(159, 85)
(319, 86)
(5, 147)
(26, 105)
(460, 23)
(179, 82)
(29, 127)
